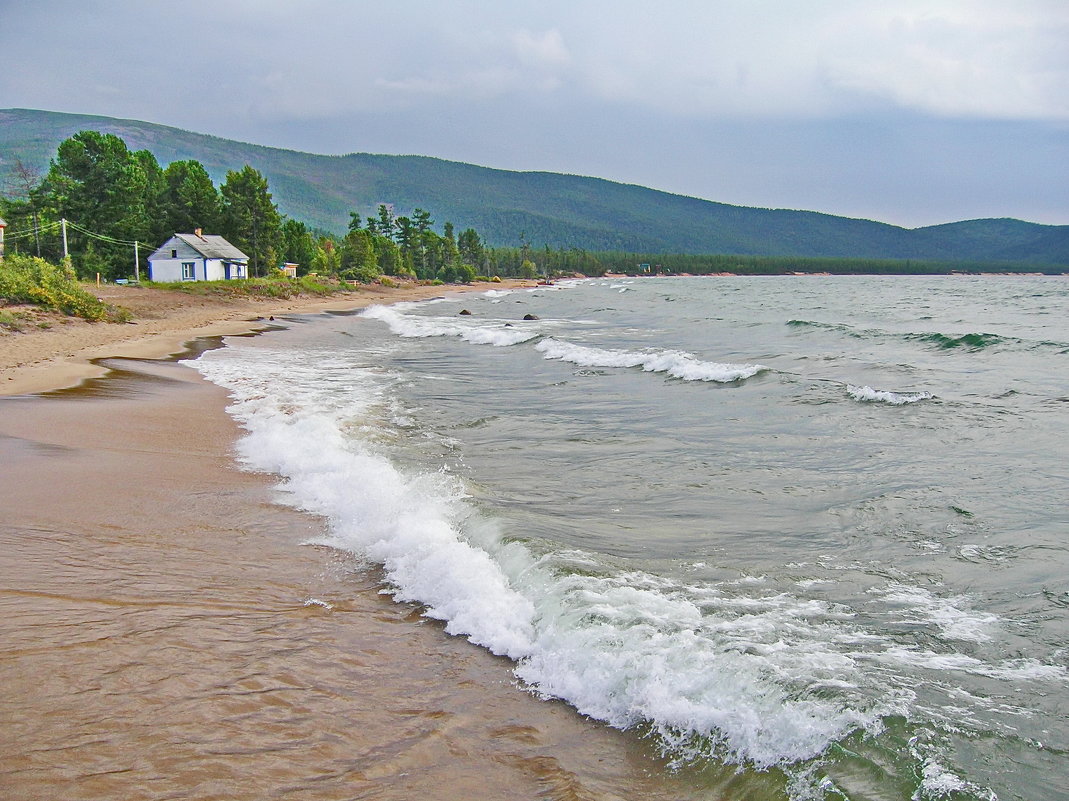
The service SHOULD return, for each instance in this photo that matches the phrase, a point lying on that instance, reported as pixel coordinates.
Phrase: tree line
(117, 196)
(714, 264)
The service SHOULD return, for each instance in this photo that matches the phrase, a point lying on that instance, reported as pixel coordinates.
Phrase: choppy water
(815, 528)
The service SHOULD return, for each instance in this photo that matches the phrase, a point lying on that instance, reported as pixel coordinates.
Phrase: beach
(58, 351)
(764, 538)
(168, 634)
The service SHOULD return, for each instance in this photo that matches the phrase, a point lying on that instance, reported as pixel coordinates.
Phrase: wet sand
(167, 635)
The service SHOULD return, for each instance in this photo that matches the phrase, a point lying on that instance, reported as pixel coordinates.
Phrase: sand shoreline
(168, 635)
(66, 353)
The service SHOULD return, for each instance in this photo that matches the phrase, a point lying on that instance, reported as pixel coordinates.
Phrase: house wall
(166, 269)
(204, 269)
(166, 264)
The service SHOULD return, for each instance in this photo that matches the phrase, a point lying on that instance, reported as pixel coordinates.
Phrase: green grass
(28, 279)
(275, 288)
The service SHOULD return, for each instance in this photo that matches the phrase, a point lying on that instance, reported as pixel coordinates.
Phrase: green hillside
(547, 208)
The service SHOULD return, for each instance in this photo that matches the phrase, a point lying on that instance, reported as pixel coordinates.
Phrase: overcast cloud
(910, 112)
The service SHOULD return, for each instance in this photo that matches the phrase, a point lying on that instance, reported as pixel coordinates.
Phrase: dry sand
(38, 358)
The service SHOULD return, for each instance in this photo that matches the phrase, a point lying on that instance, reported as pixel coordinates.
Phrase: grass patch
(275, 288)
(28, 279)
(13, 321)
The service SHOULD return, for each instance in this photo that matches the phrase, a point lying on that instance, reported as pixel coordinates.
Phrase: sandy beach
(57, 351)
(168, 635)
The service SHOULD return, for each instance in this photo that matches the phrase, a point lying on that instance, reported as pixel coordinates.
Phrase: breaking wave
(869, 395)
(500, 333)
(677, 364)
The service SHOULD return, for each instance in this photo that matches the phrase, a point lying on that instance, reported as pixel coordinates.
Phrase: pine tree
(250, 219)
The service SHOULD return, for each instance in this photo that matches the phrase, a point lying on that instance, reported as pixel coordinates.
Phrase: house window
(189, 271)
(174, 254)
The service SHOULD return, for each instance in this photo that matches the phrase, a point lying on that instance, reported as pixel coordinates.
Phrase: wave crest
(478, 332)
(867, 394)
(677, 364)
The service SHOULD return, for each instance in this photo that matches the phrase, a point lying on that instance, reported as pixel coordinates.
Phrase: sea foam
(677, 364)
(870, 395)
(735, 670)
(499, 333)
(626, 648)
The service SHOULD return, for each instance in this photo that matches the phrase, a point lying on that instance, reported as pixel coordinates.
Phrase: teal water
(814, 529)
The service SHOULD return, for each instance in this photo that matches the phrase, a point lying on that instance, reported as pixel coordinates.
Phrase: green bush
(28, 279)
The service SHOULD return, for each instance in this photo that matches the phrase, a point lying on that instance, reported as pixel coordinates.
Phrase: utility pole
(66, 254)
(137, 265)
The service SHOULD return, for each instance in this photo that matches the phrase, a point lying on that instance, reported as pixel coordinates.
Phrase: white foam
(1010, 670)
(950, 615)
(677, 364)
(407, 523)
(631, 648)
(939, 782)
(623, 648)
(739, 669)
(498, 333)
(869, 395)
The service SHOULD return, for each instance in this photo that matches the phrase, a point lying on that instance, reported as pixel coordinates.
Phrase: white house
(197, 257)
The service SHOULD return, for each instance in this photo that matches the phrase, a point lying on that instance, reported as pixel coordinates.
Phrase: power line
(40, 229)
(102, 237)
(58, 224)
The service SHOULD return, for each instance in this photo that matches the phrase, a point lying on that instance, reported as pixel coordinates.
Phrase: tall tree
(190, 199)
(391, 262)
(471, 248)
(326, 260)
(358, 262)
(387, 224)
(96, 182)
(250, 219)
(155, 227)
(425, 244)
(406, 236)
(298, 245)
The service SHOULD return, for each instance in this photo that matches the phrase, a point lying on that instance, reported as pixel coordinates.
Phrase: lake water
(810, 532)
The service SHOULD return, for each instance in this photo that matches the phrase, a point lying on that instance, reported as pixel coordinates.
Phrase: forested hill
(546, 208)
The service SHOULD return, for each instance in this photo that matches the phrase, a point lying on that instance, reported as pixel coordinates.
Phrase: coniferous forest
(113, 196)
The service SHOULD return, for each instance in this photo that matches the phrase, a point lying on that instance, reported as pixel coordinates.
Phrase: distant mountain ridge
(546, 208)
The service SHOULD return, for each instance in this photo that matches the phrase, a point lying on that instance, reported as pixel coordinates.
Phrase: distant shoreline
(59, 352)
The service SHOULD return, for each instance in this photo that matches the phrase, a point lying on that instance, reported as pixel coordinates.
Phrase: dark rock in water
(508, 325)
(465, 311)
(530, 317)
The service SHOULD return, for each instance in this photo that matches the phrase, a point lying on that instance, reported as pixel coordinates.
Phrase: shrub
(28, 279)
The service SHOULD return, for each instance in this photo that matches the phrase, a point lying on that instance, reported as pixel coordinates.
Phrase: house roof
(212, 246)
(2, 223)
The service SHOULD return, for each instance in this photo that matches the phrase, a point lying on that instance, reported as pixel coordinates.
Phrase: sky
(913, 113)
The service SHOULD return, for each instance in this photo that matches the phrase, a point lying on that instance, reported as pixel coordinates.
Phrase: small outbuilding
(197, 257)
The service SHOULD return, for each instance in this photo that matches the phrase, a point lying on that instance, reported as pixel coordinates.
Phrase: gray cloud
(906, 111)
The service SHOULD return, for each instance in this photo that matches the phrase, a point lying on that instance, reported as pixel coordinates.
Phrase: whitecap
(677, 364)
(498, 333)
(867, 394)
